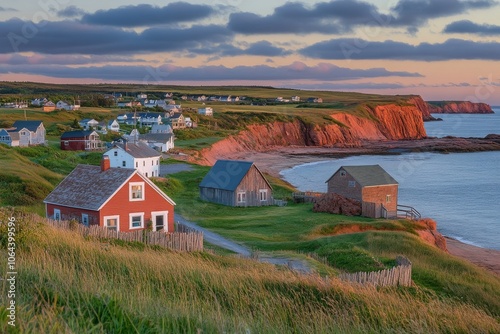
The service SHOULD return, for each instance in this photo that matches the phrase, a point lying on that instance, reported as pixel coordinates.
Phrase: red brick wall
(121, 206)
(378, 194)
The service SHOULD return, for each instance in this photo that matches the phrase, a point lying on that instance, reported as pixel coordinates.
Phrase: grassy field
(66, 283)
(297, 230)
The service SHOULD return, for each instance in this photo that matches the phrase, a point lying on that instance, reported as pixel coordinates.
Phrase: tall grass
(69, 284)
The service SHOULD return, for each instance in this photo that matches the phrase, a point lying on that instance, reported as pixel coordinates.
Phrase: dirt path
(218, 240)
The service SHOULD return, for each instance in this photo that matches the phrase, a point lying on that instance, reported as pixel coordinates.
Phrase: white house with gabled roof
(137, 155)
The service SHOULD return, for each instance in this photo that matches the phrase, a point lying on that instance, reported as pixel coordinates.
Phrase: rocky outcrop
(385, 122)
(430, 234)
(459, 107)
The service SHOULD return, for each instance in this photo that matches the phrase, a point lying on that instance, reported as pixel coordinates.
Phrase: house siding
(378, 195)
(251, 184)
(119, 205)
(219, 196)
(68, 213)
(340, 185)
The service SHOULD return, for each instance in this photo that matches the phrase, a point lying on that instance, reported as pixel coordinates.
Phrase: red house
(117, 198)
(80, 141)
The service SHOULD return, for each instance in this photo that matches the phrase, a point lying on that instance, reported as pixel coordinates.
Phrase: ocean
(461, 191)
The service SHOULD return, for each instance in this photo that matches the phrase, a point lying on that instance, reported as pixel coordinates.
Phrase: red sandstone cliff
(459, 107)
(386, 122)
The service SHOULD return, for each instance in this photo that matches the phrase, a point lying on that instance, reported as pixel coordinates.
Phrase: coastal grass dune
(67, 283)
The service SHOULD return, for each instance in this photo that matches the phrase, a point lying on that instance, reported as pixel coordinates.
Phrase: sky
(439, 49)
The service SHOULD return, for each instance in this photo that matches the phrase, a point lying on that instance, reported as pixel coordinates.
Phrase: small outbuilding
(236, 183)
(80, 141)
(371, 185)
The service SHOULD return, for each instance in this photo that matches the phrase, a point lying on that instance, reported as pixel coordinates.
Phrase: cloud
(147, 15)
(345, 48)
(7, 9)
(71, 11)
(340, 16)
(261, 48)
(468, 27)
(72, 37)
(165, 73)
(415, 13)
(38, 59)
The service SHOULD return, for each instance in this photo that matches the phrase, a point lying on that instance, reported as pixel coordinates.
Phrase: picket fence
(186, 240)
(400, 275)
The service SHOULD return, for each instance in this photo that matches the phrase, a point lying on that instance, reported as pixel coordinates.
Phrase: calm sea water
(461, 191)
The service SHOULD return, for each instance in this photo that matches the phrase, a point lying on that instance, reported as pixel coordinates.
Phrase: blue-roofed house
(236, 183)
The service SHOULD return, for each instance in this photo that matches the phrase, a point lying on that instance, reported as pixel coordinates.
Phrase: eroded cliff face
(461, 107)
(388, 122)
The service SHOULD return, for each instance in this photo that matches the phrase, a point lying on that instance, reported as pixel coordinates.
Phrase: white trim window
(263, 195)
(242, 197)
(159, 220)
(388, 198)
(352, 184)
(112, 223)
(136, 191)
(136, 220)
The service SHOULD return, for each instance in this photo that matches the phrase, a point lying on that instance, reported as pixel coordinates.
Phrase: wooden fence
(184, 239)
(400, 275)
(306, 197)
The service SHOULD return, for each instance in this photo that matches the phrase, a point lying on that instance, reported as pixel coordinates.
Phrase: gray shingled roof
(158, 137)
(227, 174)
(87, 187)
(30, 125)
(372, 175)
(138, 149)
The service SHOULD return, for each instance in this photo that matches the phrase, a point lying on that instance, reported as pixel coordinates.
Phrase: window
(136, 220)
(343, 173)
(143, 163)
(159, 220)
(388, 199)
(124, 163)
(66, 143)
(157, 162)
(146, 174)
(112, 223)
(352, 184)
(136, 164)
(57, 214)
(85, 219)
(116, 153)
(152, 163)
(136, 191)
(263, 195)
(242, 197)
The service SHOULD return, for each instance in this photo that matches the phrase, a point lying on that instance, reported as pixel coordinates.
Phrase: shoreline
(279, 159)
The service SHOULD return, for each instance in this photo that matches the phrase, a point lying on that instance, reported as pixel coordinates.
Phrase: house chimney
(105, 163)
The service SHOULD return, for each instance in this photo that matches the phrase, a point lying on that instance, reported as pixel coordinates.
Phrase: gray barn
(236, 183)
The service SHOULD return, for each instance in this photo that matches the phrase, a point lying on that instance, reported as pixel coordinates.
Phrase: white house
(24, 133)
(66, 106)
(295, 98)
(136, 155)
(39, 102)
(207, 111)
(162, 142)
(113, 125)
(142, 96)
(161, 128)
(88, 123)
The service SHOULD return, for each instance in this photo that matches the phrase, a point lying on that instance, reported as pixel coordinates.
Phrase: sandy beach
(274, 161)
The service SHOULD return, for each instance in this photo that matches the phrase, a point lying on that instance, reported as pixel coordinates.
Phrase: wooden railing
(408, 212)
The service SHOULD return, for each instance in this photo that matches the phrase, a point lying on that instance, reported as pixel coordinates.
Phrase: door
(57, 214)
(85, 219)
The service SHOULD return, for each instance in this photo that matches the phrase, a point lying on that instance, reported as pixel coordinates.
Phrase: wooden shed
(236, 183)
(371, 185)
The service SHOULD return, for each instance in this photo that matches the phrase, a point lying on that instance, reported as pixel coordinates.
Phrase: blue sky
(440, 49)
